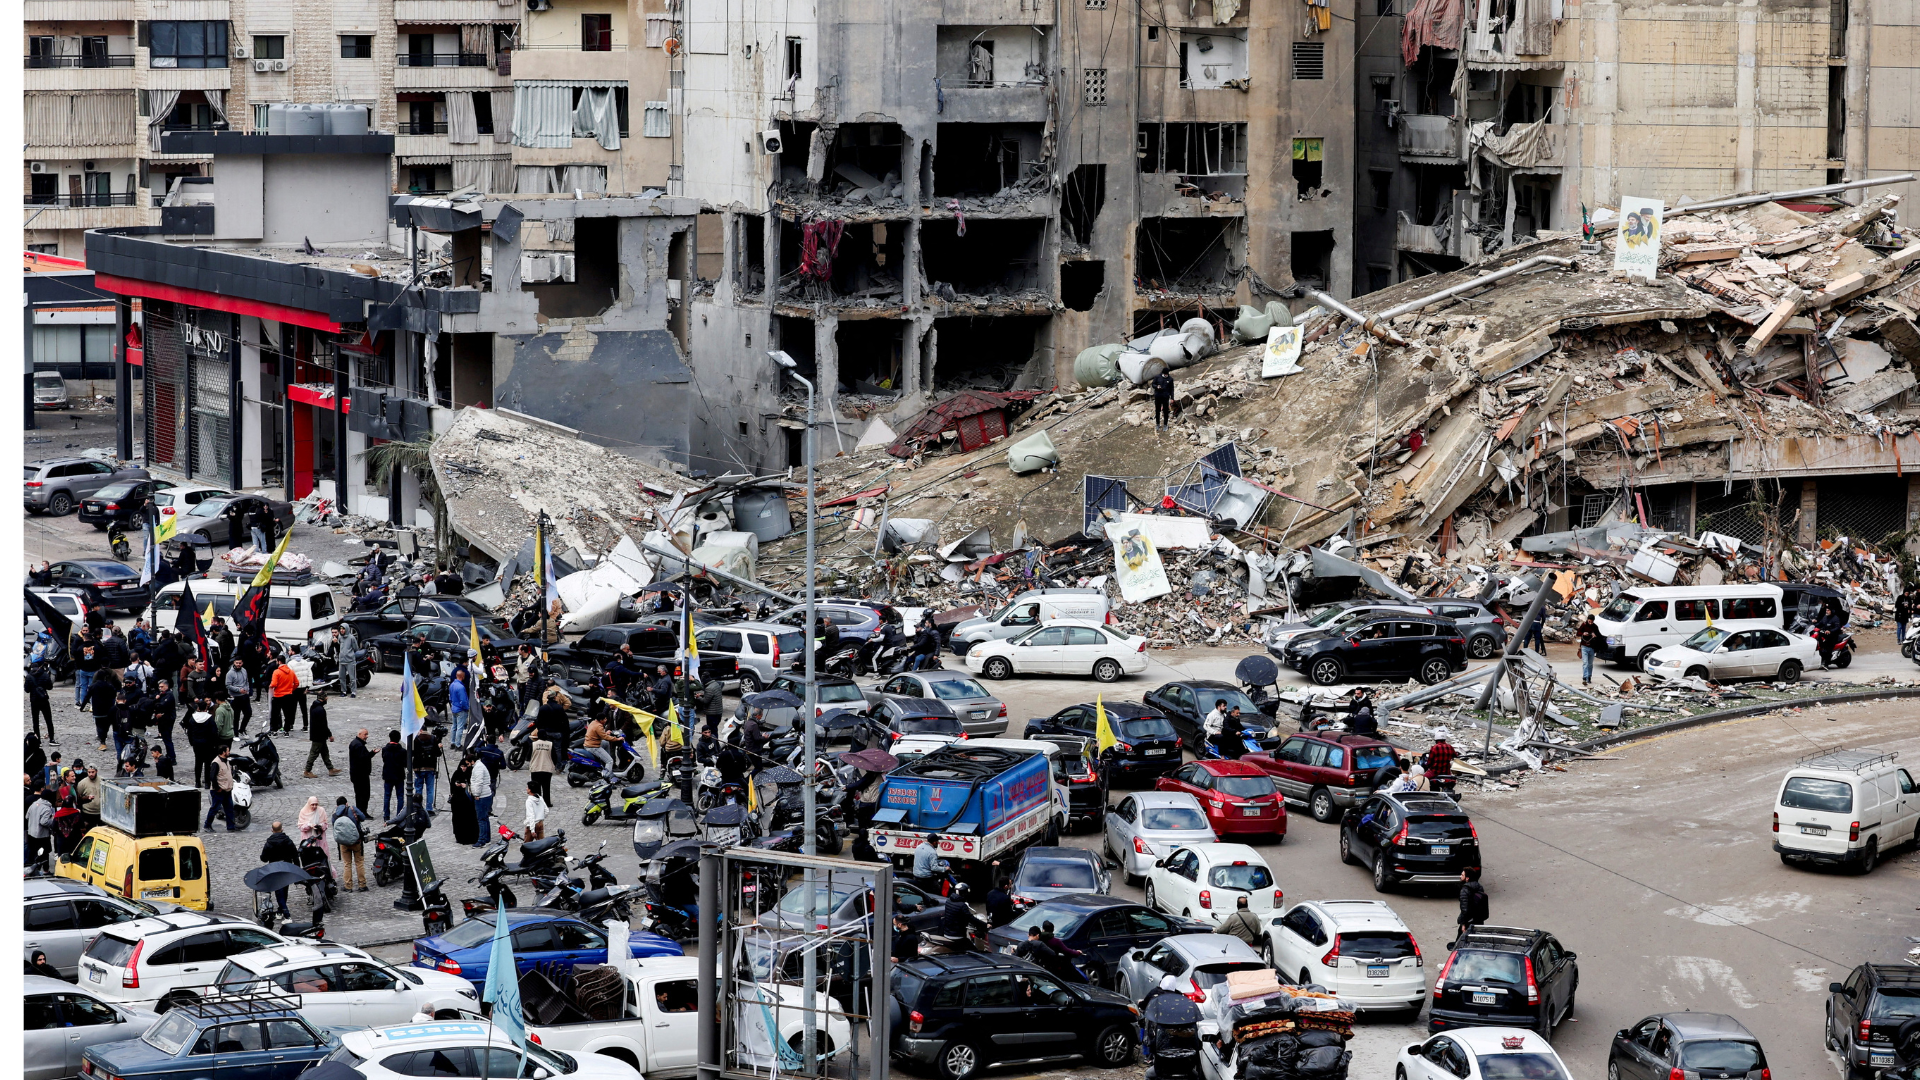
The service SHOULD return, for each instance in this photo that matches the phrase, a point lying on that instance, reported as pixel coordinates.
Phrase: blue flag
(411, 709)
(503, 983)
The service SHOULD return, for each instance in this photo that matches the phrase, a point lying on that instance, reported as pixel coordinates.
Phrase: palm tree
(412, 455)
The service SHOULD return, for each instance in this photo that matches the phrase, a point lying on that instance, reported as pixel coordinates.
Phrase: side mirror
(1061, 997)
(1836, 988)
(1139, 956)
(1159, 863)
(1621, 1034)
(1414, 1049)
(1571, 955)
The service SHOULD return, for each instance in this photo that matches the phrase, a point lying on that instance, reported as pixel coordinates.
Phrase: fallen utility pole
(1514, 646)
(683, 558)
(1376, 324)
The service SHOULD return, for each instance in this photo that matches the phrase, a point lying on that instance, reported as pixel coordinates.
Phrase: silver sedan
(1146, 825)
(982, 714)
(1196, 962)
(62, 1020)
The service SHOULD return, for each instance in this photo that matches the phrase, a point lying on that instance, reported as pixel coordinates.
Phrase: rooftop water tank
(346, 119)
(277, 119)
(306, 120)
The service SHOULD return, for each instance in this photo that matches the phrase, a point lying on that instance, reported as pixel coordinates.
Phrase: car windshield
(1146, 727)
(1372, 757)
(1808, 793)
(209, 508)
(115, 491)
(1204, 978)
(170, 1034)
(1245, 787)
(468, 934)
(1172, 818)
(1065, 920)
(956, 689)
(1235, 699)
(555, 1061)
(1706, 640)
(1895, 1004)
(1722, 1054)
(789, 642)
(1440, 828)
(840, 692)
(1243, 876)
(1520, 1067)
(1053, 874)
(1481, 965)
(825, 901)
(1328, 615)
(1377, 944)
(1620, 608)
(929, 725)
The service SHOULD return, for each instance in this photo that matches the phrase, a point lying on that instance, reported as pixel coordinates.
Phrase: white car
(1147, 825)
(162, 961)
(1721, 655)
(1061, 648)
(63, 1020)
(341, 986)
(465, 1048)
(1206, 881)
(1481, 1053)
(1359, 949)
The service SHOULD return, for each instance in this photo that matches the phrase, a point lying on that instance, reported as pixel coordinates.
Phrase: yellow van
(171, 868)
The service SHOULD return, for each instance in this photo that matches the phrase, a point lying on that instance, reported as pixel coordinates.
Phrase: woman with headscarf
(460, 801)
(313, 822)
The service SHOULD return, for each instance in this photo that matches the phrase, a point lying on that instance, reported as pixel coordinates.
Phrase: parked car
(1027, 610)
(154, 867)
(1482, 1054)
(1416, 837)
(540, 936)
(1725, 655)
(169, 959)
(1206, 882)
(915, 716)
(120, 501)
(255, 1038)
(1188, 701)
(1818, 815)
(389, 619)
(651, 645)
(1148, 746)
(1484, 627)
(834, 692)
(181, 498)
(1043, 873)
(1875, 1004)
(1080, 775)
(49, 389)
(1642, 621)
(468, 1047)
(980, 712)
(1326, 771)
(840, 903)
(341, 986)
(107, 585)
(207, 522)
(1197, 963)
(1387, 647)
(1239, 799)
(1061, 648)
(758, 649)
(298, 611)
(63, 1021)
(963, 1013)
(1505, 976)
(1105, 928)
(858, 620)
(1332, 617)
(447, 639)
(1707, 1045)
(1359, 949)
(63, 916)
(1144, 827)
(57, 485)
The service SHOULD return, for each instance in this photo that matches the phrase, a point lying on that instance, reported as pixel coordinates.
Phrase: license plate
(1443, 849)
(1377, 971)
(1814, 830)
(1155, 753)
(1484, 999)
(94, 974)
(149, 894)
(1880, 1059)
(1250, 811)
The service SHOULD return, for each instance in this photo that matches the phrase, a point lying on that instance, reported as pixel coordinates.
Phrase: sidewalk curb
(1705, 719)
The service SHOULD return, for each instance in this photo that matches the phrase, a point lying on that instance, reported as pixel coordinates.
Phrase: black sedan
(447, 639)
(1103, 928)
(1391, 646)
(390, 620)
(107, 585)
(1187, 704)
(1148, 747)
(210, 522)
(119, 501)
(960, 1014)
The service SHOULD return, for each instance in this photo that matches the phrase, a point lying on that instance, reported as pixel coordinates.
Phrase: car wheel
(1613, 1069)
(1346, 849)
(1266, 951)
(1790, 671)
(750, 683)
(958, 1061)
(375, 659)
(1434, 669)
(1868, 858)
(1151, 899)
(1481, 646)
(1382, 880)
(1543, 1023)
(1325, 671)
(822, 1042)
(1114, 1047)
(1698, 672)
(59, 503)
(1833, 1043)
(1400, 1073)
(997, 668)
(1641, 660)
(1107, 671)
(1320, 805)
(1568, 1011)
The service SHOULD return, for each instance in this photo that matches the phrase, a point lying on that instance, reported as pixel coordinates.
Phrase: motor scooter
(584, 767)
(608, 802)
(259, 759)
(117, 541)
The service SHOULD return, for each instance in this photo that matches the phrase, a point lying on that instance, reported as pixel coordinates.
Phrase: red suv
(1325, 770)
(1238, 798)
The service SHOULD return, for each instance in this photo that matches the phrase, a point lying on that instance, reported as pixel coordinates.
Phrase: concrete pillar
(252, 446)
(1693, 509)
(1913, 513)
(1809, 511)
(826, 359)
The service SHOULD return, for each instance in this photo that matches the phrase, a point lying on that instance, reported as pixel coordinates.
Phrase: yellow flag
(265, 575)
(479, 654)
(753, 793)
(646, 725)
(1103, 736)
(163, 532)
(207, 617)
(673, 721)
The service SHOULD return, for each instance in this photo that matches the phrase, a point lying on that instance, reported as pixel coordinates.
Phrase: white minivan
(1641, 622)
(1845, 807)
(296, 612)
(1028, 610)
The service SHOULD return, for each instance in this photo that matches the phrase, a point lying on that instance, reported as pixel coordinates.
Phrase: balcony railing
(443, 59)
(1429, 136)
(421, 127)
(210, 126)
(97, 61)
(122, 198)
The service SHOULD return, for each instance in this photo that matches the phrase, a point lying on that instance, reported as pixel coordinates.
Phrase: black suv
(1393, 646)
(1866, 1015)
(652, 646)
(1149, 745)
(1410, 836)
(963, 1013)
(1503, 976)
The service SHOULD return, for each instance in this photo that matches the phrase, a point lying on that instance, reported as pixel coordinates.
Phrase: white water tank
(346, 119)
(277, 119)
(306, 120)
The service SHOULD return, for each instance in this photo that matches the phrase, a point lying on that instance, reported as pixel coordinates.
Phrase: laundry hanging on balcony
(1439, 23)
(598, 117)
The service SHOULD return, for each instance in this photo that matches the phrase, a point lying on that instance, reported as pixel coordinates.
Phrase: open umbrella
(778, 774)
(872, 760)
(842, 719)
(275, 876)
(773, 699)
(1257, 671)
(1170, 1010)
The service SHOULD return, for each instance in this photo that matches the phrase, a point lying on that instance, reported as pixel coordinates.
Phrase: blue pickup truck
(983, 802)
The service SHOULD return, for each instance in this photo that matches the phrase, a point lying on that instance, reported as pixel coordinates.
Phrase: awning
(319, 399)
(215, 302)
(619, 84)
(425, 159)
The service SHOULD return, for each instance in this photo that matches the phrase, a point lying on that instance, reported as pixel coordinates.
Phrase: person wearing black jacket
(40, 696)
(957, 919)
(906, 940)
(160, 707)
(279, 848)
(1000, 910)
(393, 777)
(829, 633)
(424, 757)
(102, 699)
(114, 652)
(360, 769)
(1473, 902)
(731, 761)
(1162, 385)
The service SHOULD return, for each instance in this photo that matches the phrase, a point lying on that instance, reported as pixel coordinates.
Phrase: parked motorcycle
(607, 802)
(117, 542)
(259, 759)
(326, 669)
(436, 914)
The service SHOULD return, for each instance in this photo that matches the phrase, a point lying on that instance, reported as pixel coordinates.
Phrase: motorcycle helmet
(960, 892)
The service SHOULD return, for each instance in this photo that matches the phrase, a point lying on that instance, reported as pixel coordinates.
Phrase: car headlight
(1614, 641)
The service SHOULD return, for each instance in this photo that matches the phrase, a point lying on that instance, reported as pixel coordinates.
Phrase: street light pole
(809, 1033)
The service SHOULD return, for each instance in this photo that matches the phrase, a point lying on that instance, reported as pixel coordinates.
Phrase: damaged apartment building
(922, 197)
(1483, 122)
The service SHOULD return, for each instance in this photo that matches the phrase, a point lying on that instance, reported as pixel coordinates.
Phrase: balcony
(1024, 103)
(559, 62)
(420, 127)
(103, 212)
(96, 61)
(69, 73)
(78, 11)
(1421, 239)
(441, 60)
(124, 198)
(446, 12)
(1430, 138)
(451, 71)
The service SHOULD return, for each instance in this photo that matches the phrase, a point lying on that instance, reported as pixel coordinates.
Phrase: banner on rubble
(1636, 248)
(1282, 356)
(1137, 566)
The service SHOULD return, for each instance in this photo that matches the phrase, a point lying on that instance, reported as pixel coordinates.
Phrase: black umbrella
(779, 774)
(680, 849)
(1172, 1010)
(872, 760)
(726, 814)
(841, 719)
(773, 699)
(1257, 671)
(275, 876)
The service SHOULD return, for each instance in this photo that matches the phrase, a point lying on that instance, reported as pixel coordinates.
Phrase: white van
(297, 612)
(1028, 610)
(1640, 622)
(1845, 806)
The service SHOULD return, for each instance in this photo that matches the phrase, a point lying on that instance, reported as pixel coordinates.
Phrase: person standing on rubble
(1162, 400)
(1903, 610)
(1588, 635)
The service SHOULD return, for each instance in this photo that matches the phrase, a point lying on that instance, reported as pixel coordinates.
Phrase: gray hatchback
(982, 714)
(57, 485)
(1705, 1045)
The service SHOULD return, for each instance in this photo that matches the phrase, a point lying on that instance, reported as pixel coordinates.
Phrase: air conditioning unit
(86, 166)
(769, 141)
(282, 65)
(239, 52)
(37, 167)
(263, 65)
(539, 5)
